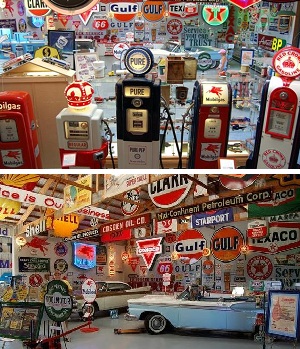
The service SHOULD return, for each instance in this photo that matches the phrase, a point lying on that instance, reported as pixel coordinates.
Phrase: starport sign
(37, 8)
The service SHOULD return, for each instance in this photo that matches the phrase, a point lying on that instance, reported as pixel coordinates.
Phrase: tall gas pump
(277, 139)
(19, 146)
(138, 112)
(210, 126)
(79, 129)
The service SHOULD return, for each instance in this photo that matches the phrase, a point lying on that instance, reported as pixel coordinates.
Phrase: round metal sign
(58, 302)
(138, 60)
(204, 61)
(73, 7)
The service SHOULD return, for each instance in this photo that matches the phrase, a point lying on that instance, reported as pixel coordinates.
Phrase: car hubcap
(157, 323)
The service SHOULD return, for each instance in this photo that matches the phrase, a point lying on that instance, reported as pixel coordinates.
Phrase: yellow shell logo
(19, 180)
(64, 226)
(8, 207)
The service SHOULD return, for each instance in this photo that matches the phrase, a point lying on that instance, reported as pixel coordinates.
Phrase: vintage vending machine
(79, 129)
(277, 139)
(19, 146)
(138, 113)
(210, 126)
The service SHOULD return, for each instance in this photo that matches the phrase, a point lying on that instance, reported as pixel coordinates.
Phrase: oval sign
(169, 191)
(89, 290)
(37, 8)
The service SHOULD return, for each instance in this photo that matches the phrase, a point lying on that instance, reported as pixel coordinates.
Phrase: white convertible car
(161, 313)
(110, 295)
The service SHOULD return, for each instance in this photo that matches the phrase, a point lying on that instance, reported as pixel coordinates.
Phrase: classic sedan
(174, 48)
(110, 295)
(161, 312)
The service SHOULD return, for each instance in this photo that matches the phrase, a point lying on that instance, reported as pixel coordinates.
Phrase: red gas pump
(79, 129)
(277, 139)
(211, 120)
(18, 134)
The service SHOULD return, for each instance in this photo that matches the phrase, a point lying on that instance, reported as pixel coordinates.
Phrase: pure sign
(58, 302)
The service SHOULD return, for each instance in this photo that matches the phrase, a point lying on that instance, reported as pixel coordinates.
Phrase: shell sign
(64, 226)
(8, 207)
(153, 11)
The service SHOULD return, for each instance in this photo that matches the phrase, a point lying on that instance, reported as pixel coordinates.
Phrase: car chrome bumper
(130, 317)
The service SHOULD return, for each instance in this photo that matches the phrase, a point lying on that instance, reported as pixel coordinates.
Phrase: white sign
(89, 290)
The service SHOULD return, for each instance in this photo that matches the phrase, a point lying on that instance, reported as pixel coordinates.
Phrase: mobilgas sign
(242, 199)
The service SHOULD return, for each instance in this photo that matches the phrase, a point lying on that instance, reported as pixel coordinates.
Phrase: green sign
(204, 61)
(58, 302)
(256, 285)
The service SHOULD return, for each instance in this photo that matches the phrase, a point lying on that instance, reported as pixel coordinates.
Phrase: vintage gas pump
(210, 126)
(18, 134)
(277, 139)
(138, 113)
(79, 129)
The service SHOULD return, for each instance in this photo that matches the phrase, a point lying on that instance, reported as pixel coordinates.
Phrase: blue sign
(84, 255)
(212, 217)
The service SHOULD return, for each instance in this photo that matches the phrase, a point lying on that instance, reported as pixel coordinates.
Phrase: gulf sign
(190, 245)
(169, 191)
(153, 10)
(37, 8)
(124, 11)
(226, 244)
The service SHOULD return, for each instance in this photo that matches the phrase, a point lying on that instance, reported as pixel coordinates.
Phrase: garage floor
(105, 338)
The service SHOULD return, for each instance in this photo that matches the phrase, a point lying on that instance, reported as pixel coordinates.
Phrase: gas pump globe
(79, 129)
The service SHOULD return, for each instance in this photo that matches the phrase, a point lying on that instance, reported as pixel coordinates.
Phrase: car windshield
(169, 46)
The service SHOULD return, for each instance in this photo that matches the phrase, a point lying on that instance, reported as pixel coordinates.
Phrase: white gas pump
(79, 129)
(277, 137)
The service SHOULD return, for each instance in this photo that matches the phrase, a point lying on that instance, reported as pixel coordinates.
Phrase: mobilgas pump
(138, 112)
(277, 138)
(79, 129)
(18, 132)
(210, 126)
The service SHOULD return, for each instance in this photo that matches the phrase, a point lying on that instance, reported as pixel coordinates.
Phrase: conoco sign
(37, 8)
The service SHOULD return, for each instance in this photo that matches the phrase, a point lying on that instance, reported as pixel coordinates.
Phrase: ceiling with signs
(20, 214)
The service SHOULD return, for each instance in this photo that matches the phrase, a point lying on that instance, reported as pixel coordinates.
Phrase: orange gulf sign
(226, 244)
(124, 11)
(153, 11)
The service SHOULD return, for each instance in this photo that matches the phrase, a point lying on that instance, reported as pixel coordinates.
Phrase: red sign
(116, 236)
(129, 223)
(257, 229)
(100, 24)
(37, 8)
(183, 9)
(164, 267)
(259, 268)
(148, 249)
(237, 182)
(133, 262)
(244, 3)
(169, 191)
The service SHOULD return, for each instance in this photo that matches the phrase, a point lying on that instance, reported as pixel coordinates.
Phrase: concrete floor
(105, 338)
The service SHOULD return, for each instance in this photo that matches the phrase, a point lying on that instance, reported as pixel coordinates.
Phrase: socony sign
(170, 191)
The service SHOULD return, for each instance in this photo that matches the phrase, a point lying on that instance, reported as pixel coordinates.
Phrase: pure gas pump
(138, 112)
(277, 139)
(19, 146)
(210, 126)
(79, 129)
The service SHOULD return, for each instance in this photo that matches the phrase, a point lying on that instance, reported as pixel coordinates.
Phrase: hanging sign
(149, 249)
(183, 9)
(215, 15)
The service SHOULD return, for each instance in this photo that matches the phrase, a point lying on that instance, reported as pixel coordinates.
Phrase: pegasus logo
(216, 90)
(213, 148)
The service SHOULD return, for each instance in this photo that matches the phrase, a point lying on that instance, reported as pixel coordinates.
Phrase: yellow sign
(76, 198)
(46, 51)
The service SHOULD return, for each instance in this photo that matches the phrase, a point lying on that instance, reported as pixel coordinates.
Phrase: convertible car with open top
(163, 312)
